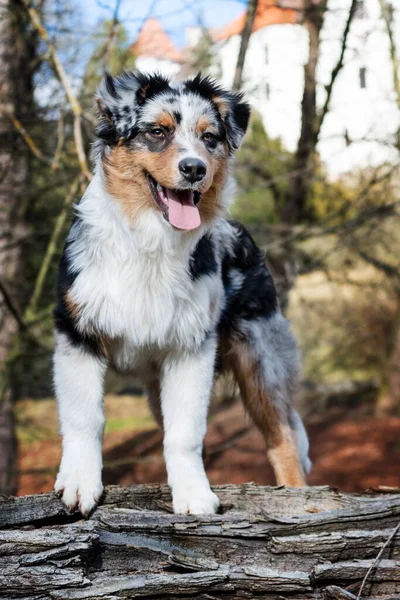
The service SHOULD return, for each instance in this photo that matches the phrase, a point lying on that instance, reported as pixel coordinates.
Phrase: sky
(174, 15)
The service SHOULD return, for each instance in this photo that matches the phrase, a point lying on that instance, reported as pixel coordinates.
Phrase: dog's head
(166, 146)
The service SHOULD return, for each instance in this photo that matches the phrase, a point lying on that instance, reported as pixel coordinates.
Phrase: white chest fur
(135, 285)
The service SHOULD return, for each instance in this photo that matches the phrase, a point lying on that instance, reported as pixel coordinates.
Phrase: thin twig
(60, 142)
(50, 251)
(338, 67)
(375, 562)
(111, 35)
(28, 140)
(9, 303)
(385, 9)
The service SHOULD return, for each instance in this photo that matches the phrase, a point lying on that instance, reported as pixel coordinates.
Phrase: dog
(154, 280)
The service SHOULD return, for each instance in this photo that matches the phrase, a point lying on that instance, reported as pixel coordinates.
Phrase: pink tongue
(182, 212)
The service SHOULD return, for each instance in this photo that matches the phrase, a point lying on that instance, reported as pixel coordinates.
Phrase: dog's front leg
(78, 378)
(185, 392)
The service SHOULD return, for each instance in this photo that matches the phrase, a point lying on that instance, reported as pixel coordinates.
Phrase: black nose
(192, 169)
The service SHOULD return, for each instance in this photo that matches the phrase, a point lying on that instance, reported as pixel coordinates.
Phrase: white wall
(367, 115)
(148, 64)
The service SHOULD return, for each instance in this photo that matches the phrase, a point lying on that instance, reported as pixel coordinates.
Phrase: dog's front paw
(79, 488)
(195, 501)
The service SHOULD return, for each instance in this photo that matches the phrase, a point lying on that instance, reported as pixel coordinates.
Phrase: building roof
(269, 12)
(153, 41)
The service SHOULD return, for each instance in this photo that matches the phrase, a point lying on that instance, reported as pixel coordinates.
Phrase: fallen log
(268, 542)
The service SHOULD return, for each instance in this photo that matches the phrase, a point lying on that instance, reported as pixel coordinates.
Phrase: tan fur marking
(74, 310)
(279, 438)
(204, 124)
(285, 461)
(222, 105)
(126, 181)
(73, 307)
(210, 205)
(104, 343)
(125, 176)
(166, 120)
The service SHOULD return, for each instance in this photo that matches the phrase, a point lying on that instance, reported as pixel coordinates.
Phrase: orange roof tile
(269, 12)
(153, 41)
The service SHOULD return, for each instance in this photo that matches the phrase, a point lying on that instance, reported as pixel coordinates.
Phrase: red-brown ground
(350, 452)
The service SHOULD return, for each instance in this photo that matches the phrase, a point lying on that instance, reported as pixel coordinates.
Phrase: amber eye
(208, 136)
(157, 132)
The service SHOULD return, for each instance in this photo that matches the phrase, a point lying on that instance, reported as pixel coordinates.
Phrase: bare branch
(111, 35)
(30, 311)
(244, 43)
(336, 70)
(60, 142)
(76, 108)
(28, 140)
(375, 562)
(386, 268)
(10, 305)
(385, 8)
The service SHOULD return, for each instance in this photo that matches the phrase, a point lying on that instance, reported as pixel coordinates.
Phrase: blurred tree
(113, 54)
(202, 57)
(261, 166)
(17, 53)
(244, 44)
(294, 209)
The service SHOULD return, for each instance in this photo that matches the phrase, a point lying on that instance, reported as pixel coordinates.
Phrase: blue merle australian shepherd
(155, 281)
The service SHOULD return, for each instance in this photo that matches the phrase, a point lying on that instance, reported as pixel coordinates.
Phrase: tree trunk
(244, 44)
(16, 53)
(273, 543)
(294, 208)
(389, 399)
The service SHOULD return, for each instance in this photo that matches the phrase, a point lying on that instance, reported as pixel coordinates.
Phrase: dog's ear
(235, 113)
(119, 99)
(107, 101)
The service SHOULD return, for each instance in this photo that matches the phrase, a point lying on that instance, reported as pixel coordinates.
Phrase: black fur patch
(206, 87)
(63, 320)
(177, 117)
(255, 296)
(110, 87)
(150, 86)
(202, 261)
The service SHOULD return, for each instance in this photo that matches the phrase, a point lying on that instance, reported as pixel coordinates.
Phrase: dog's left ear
(235, 113)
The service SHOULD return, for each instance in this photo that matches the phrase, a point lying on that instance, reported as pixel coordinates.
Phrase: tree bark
(16, 99)
(244, 44)
(294, 208)
(273, 543)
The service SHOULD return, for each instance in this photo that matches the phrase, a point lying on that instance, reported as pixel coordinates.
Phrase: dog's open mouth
(179, 207)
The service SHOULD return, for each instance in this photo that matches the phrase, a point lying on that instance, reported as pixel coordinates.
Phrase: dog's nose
(192, 169)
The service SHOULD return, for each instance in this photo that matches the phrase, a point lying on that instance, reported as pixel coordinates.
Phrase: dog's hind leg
(152, 381)
(265, 364)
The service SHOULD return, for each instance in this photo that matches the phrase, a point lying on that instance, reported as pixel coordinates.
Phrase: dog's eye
(157, 132)
(209, 137)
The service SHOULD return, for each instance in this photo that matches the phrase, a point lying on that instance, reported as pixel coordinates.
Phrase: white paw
(79, 488)
(195, 501)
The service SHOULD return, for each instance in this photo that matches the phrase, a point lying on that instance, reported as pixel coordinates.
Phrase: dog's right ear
(116, 102)
(107, 99)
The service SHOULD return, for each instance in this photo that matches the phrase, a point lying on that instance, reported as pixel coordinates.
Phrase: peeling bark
(272, 543)
(16, 99)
